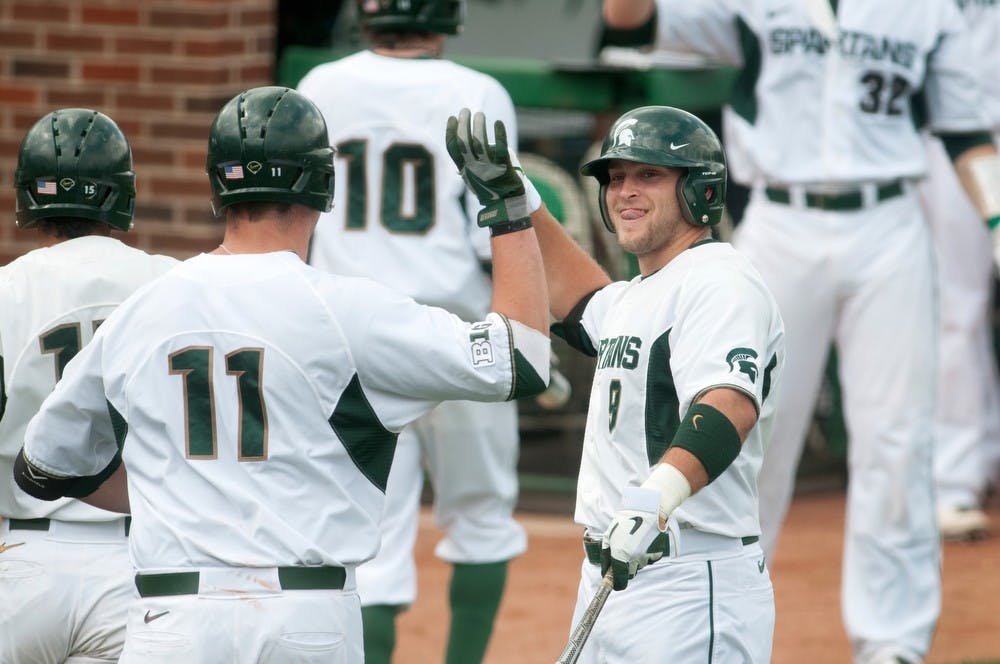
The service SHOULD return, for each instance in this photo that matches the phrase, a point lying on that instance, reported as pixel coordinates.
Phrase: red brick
(180, 130)
(131, 128)
(194, 159)
(147, 212)
(210, 104)
(18, 94)
(111, 72)
(35, 11)
(85, 98)
(144, 101)
(74, 42)
(145, 157)
(17, 38)
(215, 47)
(176, 18)
(176, 186)
(266, 44)
(257, 74)
(23, 121)
(144, 45)
(110, 15)
(190, 75)
(29, 68)
(257, 17)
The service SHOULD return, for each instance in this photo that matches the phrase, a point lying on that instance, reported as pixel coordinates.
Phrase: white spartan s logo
(624, 134)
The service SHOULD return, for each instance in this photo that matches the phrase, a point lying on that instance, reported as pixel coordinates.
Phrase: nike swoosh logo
(694, 421)
(4, 546)
(150, 617)
(678, 147)
(760, 566)
(636, 523)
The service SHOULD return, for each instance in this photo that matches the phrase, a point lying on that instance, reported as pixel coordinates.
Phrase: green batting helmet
(75, 162)
(439, 16)
(270, 144)
(667, 136)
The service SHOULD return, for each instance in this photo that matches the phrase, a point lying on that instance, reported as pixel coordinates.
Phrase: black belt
(661, 542)
(28, 524)
(842, 202)
(43, 524)
(289, 578)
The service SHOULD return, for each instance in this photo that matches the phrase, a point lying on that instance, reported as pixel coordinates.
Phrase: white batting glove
(626, 544)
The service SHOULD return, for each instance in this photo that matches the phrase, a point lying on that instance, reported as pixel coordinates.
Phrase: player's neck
(656, 260)
(266, 236)
(410, 46)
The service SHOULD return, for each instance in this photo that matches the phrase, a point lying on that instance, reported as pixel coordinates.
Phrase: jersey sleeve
(952, 92)
(581, 327)
(705, 27)
(422, 355)
(722, 337)
(74, 441)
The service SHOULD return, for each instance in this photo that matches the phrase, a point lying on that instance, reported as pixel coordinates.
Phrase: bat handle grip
(582, 630)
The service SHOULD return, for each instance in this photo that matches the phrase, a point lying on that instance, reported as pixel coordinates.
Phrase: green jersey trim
(662, 402)
(369, 444)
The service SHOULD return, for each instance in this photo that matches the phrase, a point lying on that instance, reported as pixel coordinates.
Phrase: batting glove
(488, 171)
(626, 547)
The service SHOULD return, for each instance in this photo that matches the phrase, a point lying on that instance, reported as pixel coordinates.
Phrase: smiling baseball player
(821, 125)
(688, 356)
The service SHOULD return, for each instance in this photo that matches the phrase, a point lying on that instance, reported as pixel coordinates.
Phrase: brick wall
(161, 69)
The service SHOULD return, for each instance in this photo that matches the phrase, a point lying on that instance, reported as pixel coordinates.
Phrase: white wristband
(533, 197)
(673, 487)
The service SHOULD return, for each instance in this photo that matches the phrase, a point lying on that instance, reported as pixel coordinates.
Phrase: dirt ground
(533, 623)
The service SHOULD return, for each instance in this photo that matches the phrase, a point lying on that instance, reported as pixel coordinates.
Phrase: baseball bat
(582, 630)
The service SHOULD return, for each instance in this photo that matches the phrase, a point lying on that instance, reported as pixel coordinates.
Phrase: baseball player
(689, 355)
(65, 576)
(255, 402)
(822, 130)
(967, 417)
(403, 217)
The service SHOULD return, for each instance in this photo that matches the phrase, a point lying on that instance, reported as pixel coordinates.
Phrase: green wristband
(709, 435)
(993, 222)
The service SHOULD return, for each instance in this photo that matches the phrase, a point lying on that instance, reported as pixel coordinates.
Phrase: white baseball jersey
(51, 302)
(263, 397)
(401, 211)
(983, 18)
(703, 321)
(860, 70)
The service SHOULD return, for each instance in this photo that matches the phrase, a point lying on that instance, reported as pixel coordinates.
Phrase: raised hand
(487, 170)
